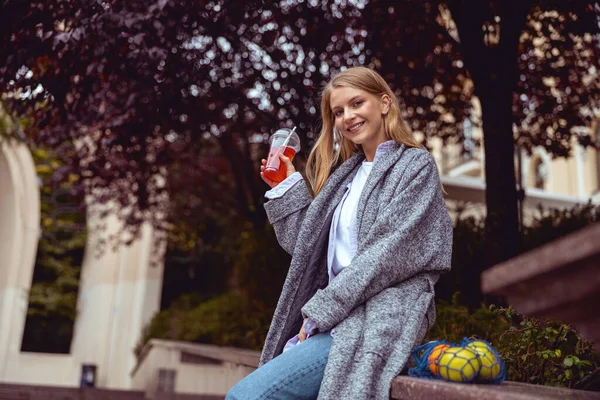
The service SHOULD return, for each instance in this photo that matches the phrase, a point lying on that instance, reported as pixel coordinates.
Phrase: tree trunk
(501, 224)
(493, 68)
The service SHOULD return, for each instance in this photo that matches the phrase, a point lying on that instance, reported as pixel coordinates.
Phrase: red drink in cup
(283, 141)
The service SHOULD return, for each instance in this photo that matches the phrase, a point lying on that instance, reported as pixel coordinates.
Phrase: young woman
(367, 247)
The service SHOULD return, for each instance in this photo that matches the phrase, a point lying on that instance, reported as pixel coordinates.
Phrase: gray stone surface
(405, 388)
(558, 280)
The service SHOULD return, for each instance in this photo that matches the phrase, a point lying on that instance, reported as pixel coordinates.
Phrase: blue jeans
(295, 374)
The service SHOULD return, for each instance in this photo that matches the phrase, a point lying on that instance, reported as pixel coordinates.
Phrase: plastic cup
(283, 141)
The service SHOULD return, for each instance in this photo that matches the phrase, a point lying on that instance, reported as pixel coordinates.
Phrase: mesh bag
(471, 360)
(492, 368)
(425, 357)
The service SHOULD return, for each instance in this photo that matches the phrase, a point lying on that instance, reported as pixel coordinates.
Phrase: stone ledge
(406, 387)
(559, 280)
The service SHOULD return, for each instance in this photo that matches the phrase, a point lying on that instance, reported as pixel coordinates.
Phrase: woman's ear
(386, 102)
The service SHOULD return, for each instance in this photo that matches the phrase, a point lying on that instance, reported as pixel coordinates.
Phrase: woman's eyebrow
(349, 101)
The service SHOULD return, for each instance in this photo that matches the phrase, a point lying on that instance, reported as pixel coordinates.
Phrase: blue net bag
(471, 360)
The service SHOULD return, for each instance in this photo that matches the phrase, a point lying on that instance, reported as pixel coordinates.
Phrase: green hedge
(226, 320)
(536, 350)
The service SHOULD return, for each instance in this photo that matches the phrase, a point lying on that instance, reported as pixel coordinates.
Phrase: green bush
(226, 320)
(553, 223)
(239, 317)
(454, 322)
(535, 350)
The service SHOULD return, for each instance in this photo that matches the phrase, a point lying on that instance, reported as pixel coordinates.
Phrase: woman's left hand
(302, 334)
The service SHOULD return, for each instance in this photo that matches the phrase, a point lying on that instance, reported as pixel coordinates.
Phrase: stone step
(568, 268)
(406, 387)
(35, 392)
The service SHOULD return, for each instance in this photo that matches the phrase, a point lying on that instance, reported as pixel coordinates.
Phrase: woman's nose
(349, 115)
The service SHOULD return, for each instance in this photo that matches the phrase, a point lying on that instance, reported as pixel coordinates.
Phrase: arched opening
(53, 296)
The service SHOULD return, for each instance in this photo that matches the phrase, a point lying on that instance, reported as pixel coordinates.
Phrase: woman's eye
(337, 113)
(357, 103)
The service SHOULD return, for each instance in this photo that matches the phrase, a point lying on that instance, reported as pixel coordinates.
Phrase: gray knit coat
(381, 305)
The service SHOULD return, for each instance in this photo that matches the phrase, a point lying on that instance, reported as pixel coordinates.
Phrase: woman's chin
(357, 138)
(356, 141)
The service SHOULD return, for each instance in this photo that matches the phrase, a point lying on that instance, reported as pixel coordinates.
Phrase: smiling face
(358, 115)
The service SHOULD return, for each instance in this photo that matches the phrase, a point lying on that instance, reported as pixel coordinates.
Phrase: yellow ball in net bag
(490, 365)
(459, 364)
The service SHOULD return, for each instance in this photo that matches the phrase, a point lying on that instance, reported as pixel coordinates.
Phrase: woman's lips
(354, 128)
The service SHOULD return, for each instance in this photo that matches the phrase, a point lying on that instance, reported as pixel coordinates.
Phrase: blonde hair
(323, 157)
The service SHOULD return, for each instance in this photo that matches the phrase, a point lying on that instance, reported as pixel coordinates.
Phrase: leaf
(568, 361)
(568, 374)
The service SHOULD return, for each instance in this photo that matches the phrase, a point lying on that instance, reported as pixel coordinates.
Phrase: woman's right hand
(288, 165)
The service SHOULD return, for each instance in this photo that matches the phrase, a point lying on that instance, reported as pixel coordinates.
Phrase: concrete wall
(43, 369)
(145, 375)
(209, 379)
(215, 369)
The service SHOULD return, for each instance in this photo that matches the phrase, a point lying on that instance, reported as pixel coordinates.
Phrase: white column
(118, 294)
(580, 162)
(19, 235)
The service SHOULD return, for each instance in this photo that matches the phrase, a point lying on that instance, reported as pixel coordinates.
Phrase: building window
(166, 380)
(538, 173)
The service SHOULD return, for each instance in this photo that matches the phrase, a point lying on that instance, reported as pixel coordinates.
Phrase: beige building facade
(547, 182)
